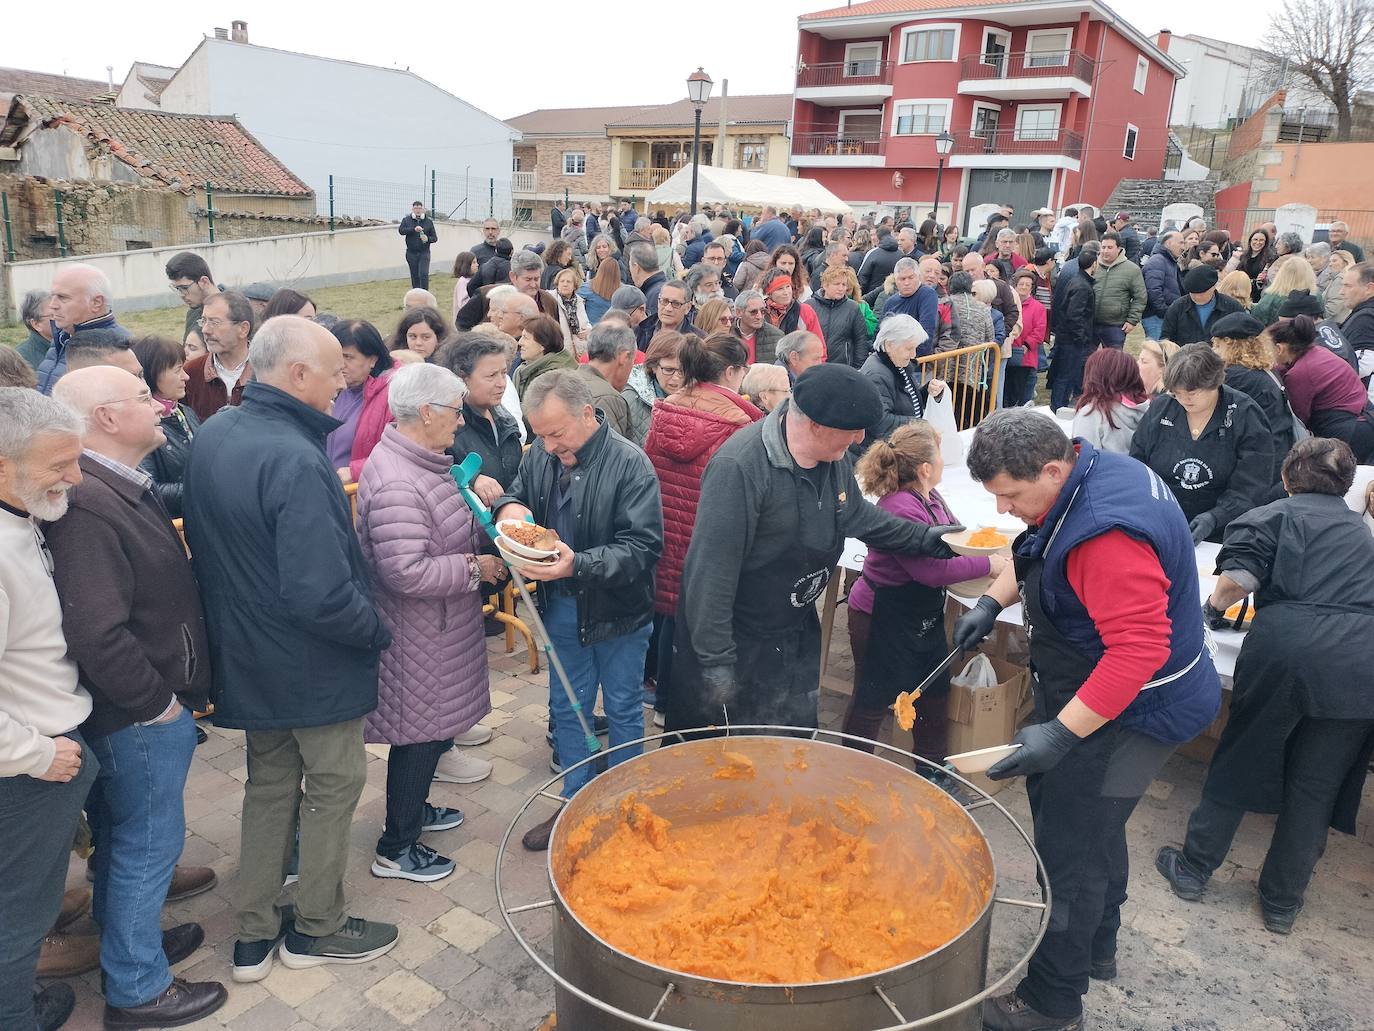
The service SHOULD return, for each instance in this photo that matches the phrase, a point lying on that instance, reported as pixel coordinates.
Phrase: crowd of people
(703, 408)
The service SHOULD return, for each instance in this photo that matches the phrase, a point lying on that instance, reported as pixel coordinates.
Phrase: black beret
(837, 396)
(1200, 279)
(1238, 325)
(1300, 302)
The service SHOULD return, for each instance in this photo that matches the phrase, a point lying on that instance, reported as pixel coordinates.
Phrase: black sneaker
(253, 959)
(357, 941)
(1278, 919)
(53, 1005)
(417, 863)
(1010, 1012)
(1174, 868)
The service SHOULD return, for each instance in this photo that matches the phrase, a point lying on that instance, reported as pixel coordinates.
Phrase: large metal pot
(787, 770)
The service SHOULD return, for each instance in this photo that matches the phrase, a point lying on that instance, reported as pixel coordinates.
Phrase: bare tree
(1331, 44)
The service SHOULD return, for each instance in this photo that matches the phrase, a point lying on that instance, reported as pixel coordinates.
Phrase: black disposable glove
(719, 685)
(976, 623)
(1202, 526)
(1042, 746)
(1213, 616)
(933, 543)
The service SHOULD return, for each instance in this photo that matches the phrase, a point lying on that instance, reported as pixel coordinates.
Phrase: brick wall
(549, 165)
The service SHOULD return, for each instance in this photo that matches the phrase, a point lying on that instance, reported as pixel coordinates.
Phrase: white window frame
(1005, 34)
(944, 102)
(574, 154)
(849, 47)
(760, 151)
(515, 163)
(930, 27)
(1130, 147)
(1058, 110)
(1142, 74)
(839, 131)
(1068, 46)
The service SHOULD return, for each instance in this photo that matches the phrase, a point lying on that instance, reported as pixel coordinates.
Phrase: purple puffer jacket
(416, 535)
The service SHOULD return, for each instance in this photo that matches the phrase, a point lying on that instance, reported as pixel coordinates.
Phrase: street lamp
(944, 143)
(698, 92)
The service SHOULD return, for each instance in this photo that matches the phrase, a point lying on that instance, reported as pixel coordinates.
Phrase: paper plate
(958, 542)
(980, 760)
(505, 546)
(514, 547)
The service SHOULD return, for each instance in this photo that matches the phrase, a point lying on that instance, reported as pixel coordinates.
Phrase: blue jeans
(138, 825)
(617, 665)
(37, 824)
(1109, 335)
(1153, 325)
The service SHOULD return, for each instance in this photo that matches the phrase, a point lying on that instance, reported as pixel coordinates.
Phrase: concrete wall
(345, 119)
(304, 261)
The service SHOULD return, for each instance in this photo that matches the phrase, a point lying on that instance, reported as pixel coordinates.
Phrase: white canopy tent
(744, 189)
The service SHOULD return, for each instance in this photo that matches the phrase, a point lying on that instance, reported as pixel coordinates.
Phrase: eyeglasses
(663, 302)
(144, 398)
(205, 323)
(181, 288)
(753, 311)
(458, 409)
(670, 370)
(726, 320)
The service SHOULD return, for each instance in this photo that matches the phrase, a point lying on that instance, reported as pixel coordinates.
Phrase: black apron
(906, 639)
(777, 637)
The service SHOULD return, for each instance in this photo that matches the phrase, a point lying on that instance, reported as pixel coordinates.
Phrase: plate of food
(980, 760)
(528, 541)
(984, 540)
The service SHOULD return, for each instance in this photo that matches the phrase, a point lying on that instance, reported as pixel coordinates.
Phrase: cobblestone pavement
(1201, 967)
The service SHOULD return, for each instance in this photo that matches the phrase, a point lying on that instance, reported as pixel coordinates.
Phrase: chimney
(221, 33)
(239, 32)
(1162, 38)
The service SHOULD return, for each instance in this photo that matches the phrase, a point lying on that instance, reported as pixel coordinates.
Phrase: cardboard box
(987, 716)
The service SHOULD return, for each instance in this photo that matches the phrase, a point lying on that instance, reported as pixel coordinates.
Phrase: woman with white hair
(892, 370)
(767, 386)
(423, 551)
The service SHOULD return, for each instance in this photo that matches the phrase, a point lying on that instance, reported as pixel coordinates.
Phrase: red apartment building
(1050, 103)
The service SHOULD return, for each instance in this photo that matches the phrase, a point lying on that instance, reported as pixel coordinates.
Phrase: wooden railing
(846, 73)
(973, 374)
(645, 178)
(1028, 64)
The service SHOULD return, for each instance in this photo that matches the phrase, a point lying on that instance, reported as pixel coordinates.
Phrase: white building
(379, 131)
(1229, 81)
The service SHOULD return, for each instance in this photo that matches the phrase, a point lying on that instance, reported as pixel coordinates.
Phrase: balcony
(845, 82)
(1027, 75)
(646, 179)
(523, 183)
(1016, 148)
(828, 149)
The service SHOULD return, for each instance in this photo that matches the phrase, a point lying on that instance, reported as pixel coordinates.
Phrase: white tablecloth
(974, 506)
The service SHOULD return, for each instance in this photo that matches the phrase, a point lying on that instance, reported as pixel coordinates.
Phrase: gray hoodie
(1092, 426)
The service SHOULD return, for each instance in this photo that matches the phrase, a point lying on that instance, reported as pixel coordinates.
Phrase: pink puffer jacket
(416, 535)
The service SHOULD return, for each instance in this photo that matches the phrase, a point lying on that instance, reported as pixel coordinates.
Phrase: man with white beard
(45, 768)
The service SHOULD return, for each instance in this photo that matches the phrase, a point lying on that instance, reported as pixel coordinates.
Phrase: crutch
(464, 473)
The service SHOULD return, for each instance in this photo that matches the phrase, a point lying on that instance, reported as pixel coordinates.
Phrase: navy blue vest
(1110, 491)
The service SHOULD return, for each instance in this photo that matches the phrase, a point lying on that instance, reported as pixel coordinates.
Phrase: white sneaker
(457, 768)
(478, 735)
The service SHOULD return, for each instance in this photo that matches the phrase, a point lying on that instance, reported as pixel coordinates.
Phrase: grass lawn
(379, 302)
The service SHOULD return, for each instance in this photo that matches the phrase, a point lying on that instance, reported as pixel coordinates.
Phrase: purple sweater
(1319, 381)
(890, 570)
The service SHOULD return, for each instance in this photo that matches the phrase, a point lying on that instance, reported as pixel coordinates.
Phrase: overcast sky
(508, 58)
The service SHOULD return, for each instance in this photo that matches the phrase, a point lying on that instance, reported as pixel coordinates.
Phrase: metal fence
(1239, 222)
(454, 196)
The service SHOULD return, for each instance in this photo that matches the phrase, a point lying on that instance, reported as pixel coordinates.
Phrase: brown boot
(537, 838)
(76, 903)
(188, 881)
(67, 955)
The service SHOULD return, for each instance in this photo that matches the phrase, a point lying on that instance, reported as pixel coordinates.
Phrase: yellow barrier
(974, 377)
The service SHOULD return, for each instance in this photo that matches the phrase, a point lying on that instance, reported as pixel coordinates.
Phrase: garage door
(1025, 188)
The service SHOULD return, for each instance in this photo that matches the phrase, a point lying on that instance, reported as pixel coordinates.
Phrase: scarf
(570, 309)
(785, 319)
(903, 377)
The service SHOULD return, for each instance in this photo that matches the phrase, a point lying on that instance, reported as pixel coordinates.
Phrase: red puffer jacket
(684, 432)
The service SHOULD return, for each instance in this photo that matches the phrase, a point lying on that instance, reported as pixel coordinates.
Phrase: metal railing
(830, 142)
(1018, 141)
(973, 374)
(846, 73)
(1027, 64)
(646, 178)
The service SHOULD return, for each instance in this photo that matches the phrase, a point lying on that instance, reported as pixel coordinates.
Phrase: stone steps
(1146, 198)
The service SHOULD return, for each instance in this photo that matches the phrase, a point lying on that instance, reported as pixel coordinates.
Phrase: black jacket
(1163, 283)
(619, 515)
(1074, 311)
(167, 465)
(294, 637)
(1131, 244)
(844, 328)
(1262, 388)
(499, 449)
(483, 252)
(879, 263)
(897, 405)
(1182, 326)
(1358, 327)
(412, 227)
(1225, 471)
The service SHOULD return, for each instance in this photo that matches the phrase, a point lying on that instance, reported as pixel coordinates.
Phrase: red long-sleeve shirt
(1122, 585)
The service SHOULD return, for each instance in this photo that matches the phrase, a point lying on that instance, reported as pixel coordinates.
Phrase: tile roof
(881, 7)
(761, 108)
(17, 80)
(178, 150)
(571, 121)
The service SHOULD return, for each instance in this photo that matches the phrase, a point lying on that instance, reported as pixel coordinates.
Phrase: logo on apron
(806, 590)
(1193, 473)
